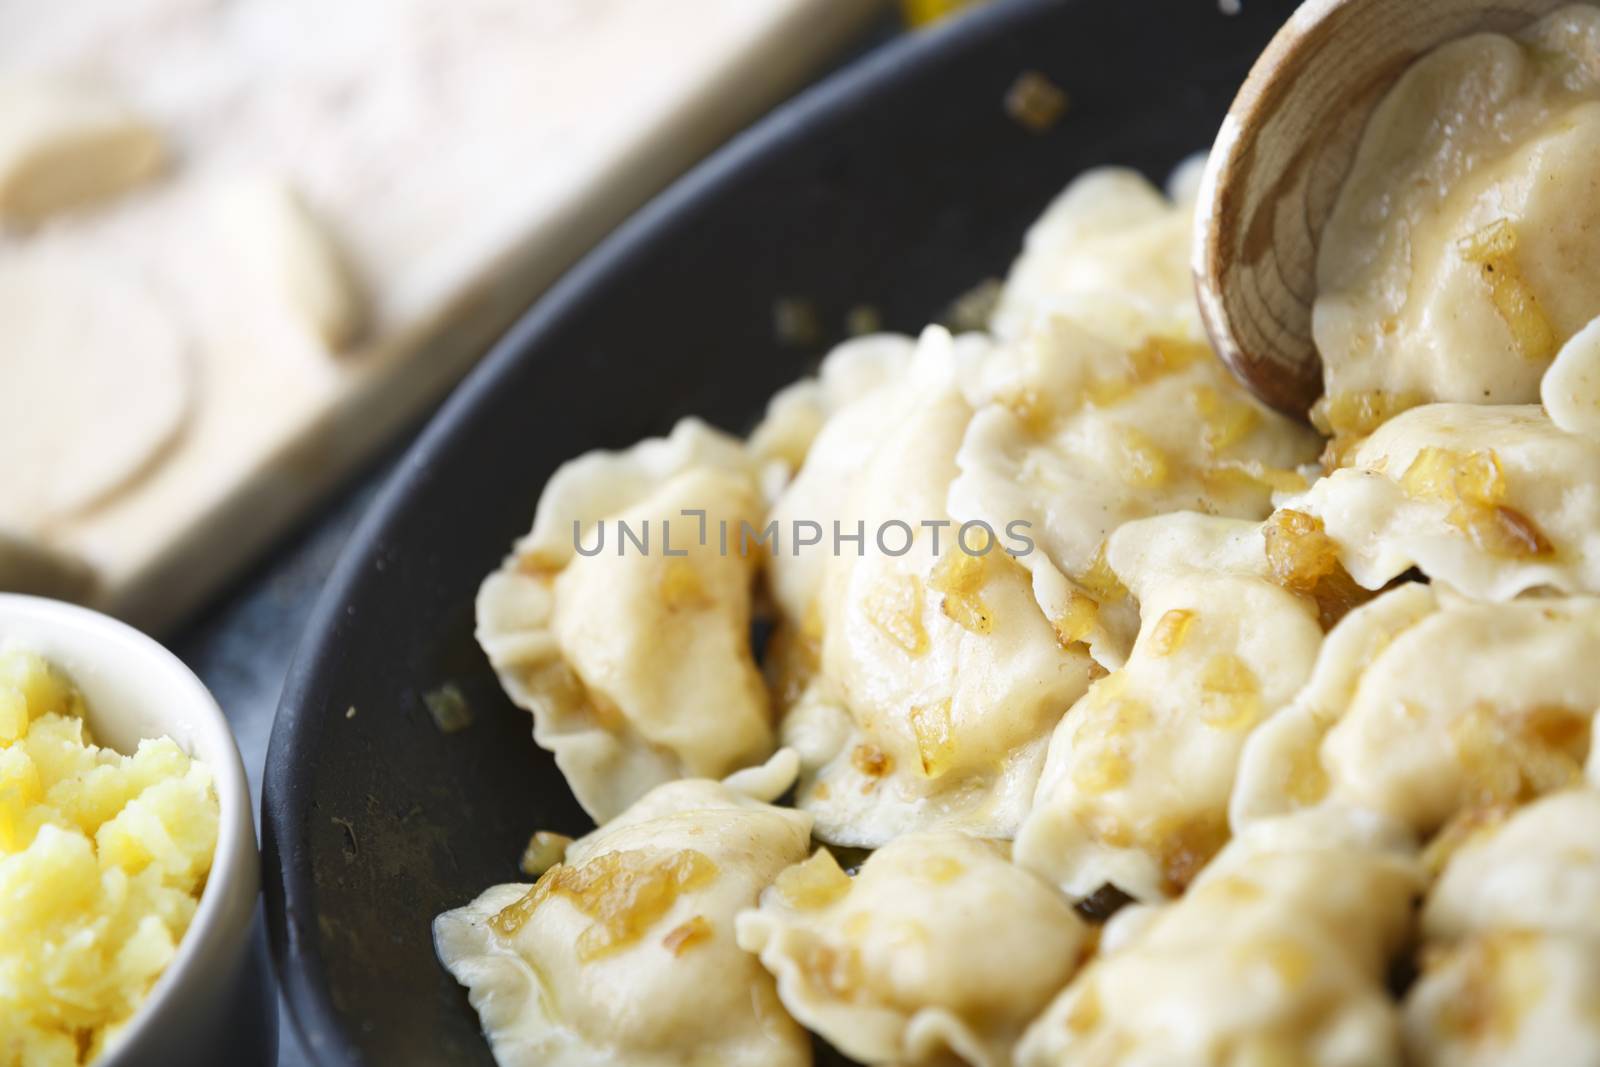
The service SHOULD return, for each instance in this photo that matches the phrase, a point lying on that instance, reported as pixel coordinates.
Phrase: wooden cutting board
(179, 388)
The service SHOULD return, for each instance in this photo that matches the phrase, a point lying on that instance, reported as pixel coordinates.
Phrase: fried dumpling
(1075, 435)
(1496, 501)
(635, 657)
(939, 947)
(1135, 789)
(1110, 251)
(626, 951)
(1276, 954)
(1536, 868)
(863, 391)
(933, 678)
(797, 413)
(1510, 971)
(1424, 704)
(1459, 249)
(1089, 408)
(1506, 999)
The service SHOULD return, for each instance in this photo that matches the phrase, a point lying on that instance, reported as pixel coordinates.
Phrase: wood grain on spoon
(1275, 170)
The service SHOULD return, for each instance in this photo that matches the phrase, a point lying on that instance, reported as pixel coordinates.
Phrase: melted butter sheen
(624, 893)
(1474, 485)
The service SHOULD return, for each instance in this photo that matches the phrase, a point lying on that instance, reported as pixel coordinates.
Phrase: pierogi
(820, 432)
(925, 679)
(797, 413)
(938, 947)
(1458, 256)
(1496, 501)
(1511, 958)
(635, 660)
(1276, 954)
(1075, 436)
(1135, 788)
(1102, 403)
(1070, 629)
(625, 952)
(1110, 251)
(1424, 704)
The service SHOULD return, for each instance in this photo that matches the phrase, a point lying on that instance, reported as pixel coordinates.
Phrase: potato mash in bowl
(103, 858)
(1103, 715)
(128, 864)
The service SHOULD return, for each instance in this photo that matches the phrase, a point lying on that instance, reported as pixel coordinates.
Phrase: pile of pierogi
(1261, 745)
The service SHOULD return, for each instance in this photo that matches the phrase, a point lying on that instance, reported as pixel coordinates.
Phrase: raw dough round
(93, 385)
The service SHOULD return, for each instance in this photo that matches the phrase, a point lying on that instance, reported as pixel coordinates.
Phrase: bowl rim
(219, 930)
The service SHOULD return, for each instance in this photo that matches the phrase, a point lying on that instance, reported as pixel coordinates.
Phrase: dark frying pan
(898, 183)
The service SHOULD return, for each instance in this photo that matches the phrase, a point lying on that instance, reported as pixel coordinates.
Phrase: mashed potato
(102, 861)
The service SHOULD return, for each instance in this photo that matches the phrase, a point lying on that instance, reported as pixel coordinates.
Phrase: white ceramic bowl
(136, 689)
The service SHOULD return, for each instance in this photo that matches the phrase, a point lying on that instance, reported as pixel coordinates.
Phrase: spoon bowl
(1282, 154)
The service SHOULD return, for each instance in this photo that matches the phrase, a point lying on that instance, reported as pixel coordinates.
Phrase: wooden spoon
(1275, 170)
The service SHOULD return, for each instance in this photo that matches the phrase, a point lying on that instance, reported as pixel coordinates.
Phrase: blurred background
(246, 246)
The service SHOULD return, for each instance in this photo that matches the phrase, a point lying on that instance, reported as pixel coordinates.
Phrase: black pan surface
(899, 183)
